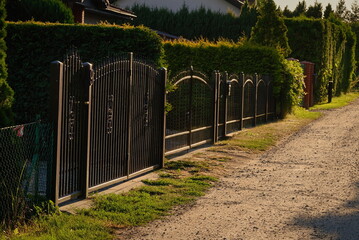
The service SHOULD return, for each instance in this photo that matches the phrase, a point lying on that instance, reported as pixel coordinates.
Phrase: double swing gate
(205, 109)
(110, 122)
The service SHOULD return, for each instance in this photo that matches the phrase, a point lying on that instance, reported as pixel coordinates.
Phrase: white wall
(175, 5)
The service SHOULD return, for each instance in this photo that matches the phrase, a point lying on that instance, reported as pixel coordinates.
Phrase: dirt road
(307, 187)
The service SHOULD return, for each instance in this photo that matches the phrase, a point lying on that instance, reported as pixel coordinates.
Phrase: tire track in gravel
(304, 188)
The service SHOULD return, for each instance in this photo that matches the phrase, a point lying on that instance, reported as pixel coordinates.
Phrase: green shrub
(293, 88)
(6, 93)
(33, 46)
(235, 58)
(198, 23)
(329, 44)
(39, 10)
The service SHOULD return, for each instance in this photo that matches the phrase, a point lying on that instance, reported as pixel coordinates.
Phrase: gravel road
(307, 187)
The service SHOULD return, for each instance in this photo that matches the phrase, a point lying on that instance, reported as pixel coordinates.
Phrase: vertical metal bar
(218, 101)
(267, 97)
(225, 99)
(56, 75)
(241, 78)
(215, 99)
(129, 111)
(190, 110)
(163, 80)
(88, 77)
(255, 80)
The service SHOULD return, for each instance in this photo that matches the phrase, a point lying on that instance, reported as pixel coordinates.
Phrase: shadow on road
(340, 223)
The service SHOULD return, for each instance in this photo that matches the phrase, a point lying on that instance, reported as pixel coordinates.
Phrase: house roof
(103, 7)
(236, 3)
(239, 3)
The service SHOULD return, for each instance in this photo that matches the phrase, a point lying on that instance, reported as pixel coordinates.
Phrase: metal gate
(110, 122)
(191, 120)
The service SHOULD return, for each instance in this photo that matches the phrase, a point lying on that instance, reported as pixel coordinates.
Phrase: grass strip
(337, 102)
(136, 207)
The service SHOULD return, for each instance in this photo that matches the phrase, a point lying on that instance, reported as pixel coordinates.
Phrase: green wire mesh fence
(25, 169)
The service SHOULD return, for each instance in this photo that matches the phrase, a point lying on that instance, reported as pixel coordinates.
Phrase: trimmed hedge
(32, 46)
(330, 45)
(6, 93)
(355, 29)
(198, 23)
(236, 58)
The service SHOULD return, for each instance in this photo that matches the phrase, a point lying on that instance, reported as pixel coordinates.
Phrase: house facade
(223, 6)
(96, 11)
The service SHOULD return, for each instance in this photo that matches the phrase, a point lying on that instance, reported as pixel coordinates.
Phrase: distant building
(95, 11)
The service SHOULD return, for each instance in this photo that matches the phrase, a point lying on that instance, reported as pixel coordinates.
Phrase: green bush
(33, 46)
(39, 10)
(6, 93)
(236, 58)
(198, 23)
(329, 44)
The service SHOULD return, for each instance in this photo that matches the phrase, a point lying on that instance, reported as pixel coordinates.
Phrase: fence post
(255, 99)
(129, 112)
(215, 107)
(225, 99)
(267, 82)
(241, 78)
(87, 80)
(189, 140)
(56, 81)
(163, 80)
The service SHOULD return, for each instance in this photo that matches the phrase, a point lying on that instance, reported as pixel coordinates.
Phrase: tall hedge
(330, 45)
(236, 58)
(32, 46)
(355, 29)
(198, 23)
(6, 93)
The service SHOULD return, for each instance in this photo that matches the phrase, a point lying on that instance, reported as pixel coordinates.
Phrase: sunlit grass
(65, 226)
(136, 207)
(337, 102)
(149, 202)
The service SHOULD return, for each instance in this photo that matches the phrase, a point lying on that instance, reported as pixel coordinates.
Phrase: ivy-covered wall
(330, 45)
(33, 46)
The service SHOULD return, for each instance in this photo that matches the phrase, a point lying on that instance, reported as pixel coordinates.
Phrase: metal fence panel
(26, 153)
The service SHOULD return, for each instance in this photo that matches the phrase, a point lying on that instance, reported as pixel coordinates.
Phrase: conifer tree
(341, 10)
(301, 9)
(287, 13)
(328, 11)
(315, 11)
(270, 29)
(354, 14)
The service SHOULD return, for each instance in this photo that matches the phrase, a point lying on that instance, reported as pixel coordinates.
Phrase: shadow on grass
(341, 223)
